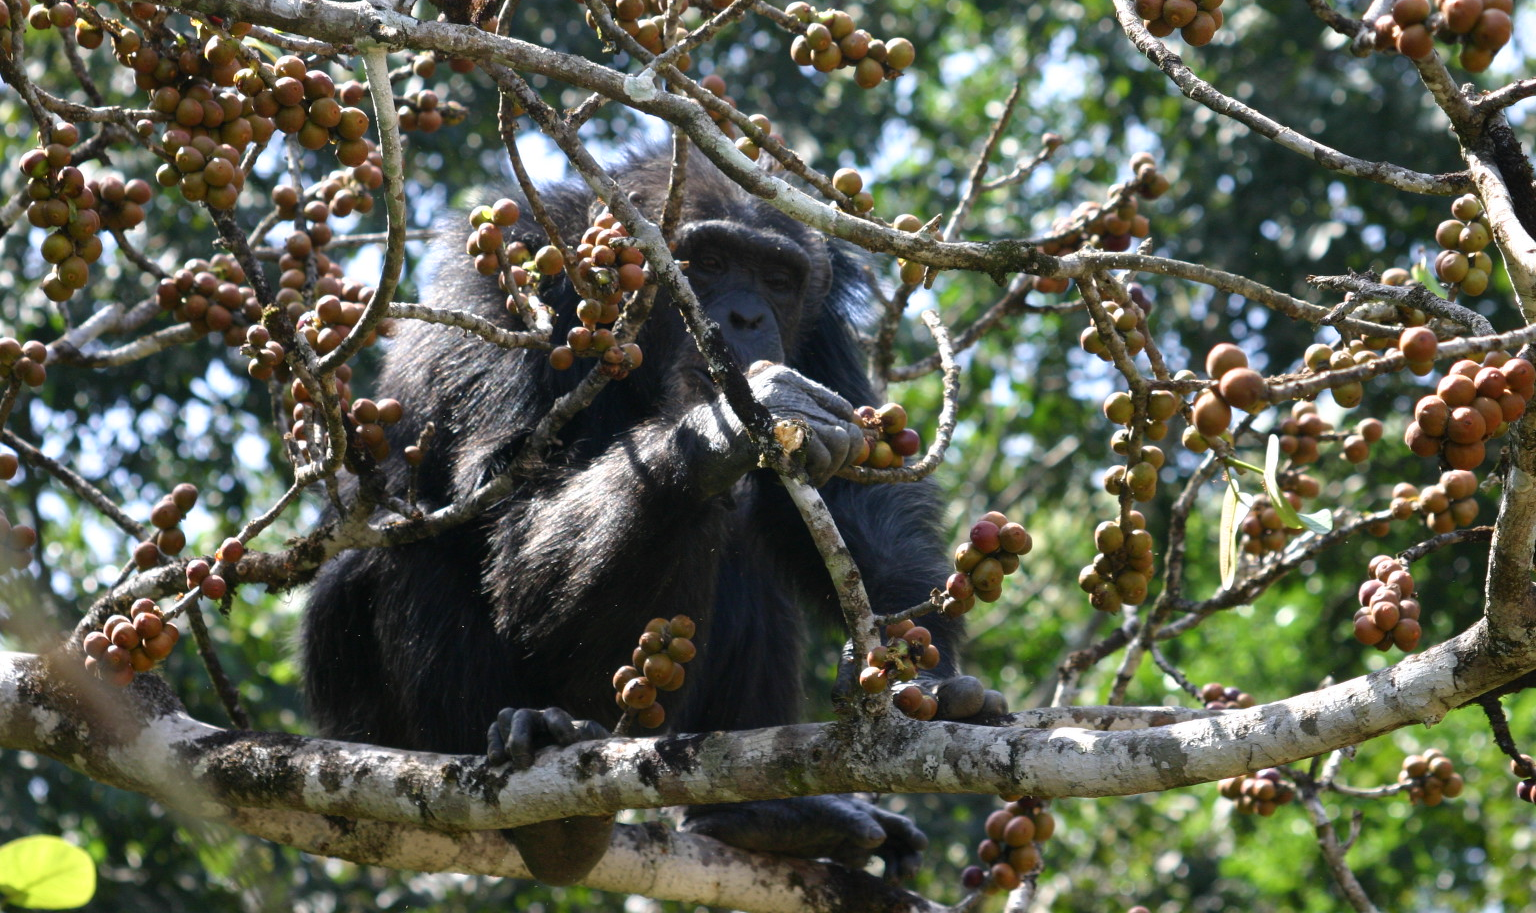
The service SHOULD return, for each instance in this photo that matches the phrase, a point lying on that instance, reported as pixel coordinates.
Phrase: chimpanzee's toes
(511, 737)
(517, 733)
(845, 829)
(964, 698)
(563, 731)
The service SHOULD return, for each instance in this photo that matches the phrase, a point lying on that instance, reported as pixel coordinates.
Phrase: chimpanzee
(652, 506)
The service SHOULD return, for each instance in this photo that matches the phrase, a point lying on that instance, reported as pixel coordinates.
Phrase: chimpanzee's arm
(638, 528)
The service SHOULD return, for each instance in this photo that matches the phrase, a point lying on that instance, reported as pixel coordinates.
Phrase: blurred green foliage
(1032, 443)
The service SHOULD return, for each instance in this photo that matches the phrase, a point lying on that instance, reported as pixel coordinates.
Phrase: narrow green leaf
(1277, 498)
(46, 873)
(1228, 534)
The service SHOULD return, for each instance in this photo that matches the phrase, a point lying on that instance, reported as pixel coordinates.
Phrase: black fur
(539, 601)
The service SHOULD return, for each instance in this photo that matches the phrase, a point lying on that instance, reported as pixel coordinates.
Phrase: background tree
(136, 401)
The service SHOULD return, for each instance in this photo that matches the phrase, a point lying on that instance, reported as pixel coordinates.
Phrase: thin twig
(470, 322)
(508, 130)
(677, 176)
(229, 695)
(973, 182)
(949, 415)
(1178, 527)
(8, 399)
(716, 106)
(375, 63)
(1435, 543)
(143, 347)
(75, 483)
(1504, 97)
(1247, 589)
(1137, 624)
(1173, 671)
(1307, 385)
(1349, 28)
(1013, 302)
(1498, 723)
(1333, 853)
(1413, 296)
(113, 317)
(77, 66)
(297, 44)
(1071, 669)
(883, 349)
(1021, 172)
(132, 253)
(340, 242)
(1203, 92)
(705, 32)
(252, 529)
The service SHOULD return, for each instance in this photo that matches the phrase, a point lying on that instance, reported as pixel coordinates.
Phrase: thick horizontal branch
(39, 713)
(140, 739)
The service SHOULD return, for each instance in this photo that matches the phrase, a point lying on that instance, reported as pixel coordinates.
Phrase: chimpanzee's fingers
(827, 398)
(839, 448)
(818, 461)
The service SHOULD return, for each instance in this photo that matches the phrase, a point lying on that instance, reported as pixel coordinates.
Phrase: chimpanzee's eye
(780, 280)
(706, 264)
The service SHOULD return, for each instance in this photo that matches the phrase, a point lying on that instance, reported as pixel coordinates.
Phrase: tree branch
(41, 711)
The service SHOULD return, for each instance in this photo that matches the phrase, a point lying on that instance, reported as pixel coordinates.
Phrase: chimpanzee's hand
(840, 828)
(562, 851)
(832, 444)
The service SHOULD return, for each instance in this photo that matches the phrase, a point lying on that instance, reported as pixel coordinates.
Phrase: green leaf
(46, 873)
(1228, 534)
(1277, 498)
(1426, 277)
(1319, 521)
